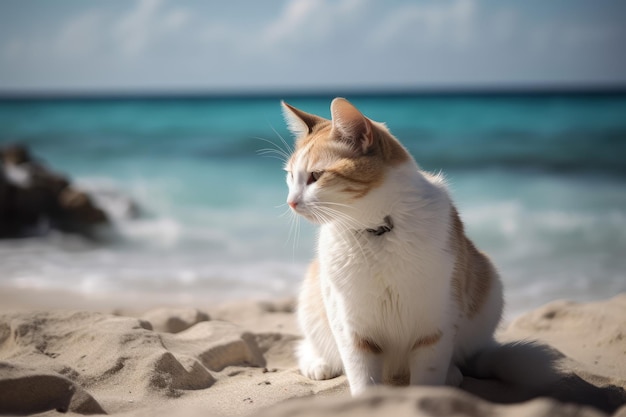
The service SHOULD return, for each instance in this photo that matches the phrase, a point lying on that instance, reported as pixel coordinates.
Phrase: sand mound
(425, 401)
(121, 357)
(237, 359)
(174, 320)
(25, 391)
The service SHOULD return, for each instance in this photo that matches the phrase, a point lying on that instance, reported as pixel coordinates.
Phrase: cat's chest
(381, 261)
(382, 280)
(367, 264)
(397, 266)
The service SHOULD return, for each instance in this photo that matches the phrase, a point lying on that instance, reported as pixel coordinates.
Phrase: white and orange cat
(396, 286)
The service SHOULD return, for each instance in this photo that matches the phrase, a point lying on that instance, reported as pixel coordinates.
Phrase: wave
(598, 152)
(538, 183)
(551, 236)
(555, 134)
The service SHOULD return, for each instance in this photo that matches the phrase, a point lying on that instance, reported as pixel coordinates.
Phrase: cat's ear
(298, 122)
(351, 125)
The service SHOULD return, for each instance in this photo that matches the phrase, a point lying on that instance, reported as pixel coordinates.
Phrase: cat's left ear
(351, 125)
(299, 122)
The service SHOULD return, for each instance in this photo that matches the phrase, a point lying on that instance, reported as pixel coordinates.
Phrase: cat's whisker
(346, 223)
(296, 240)
(268, 151)
(353, 238)
(275, 150)
(351, 221)
(318, 217)
(285, 213)
(288, 147)
(326, 204)
(273, 153)
(337, 204)
(297, 237)
(274, 144)
(293, 225)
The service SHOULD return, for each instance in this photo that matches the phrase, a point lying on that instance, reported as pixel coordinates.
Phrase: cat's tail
(518, 371)
(533, 366)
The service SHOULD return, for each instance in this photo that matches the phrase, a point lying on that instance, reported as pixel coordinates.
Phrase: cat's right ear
(299, 123)
(351, 125)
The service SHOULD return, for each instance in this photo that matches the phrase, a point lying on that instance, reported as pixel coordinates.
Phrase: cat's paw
(318, 370)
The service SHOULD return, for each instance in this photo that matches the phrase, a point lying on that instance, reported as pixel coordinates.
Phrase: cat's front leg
(316, 366)
(430, 359)
(363, 363)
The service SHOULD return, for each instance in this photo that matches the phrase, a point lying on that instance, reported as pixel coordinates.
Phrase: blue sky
(221, 46)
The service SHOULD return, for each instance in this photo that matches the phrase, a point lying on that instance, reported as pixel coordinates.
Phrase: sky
(239, 46)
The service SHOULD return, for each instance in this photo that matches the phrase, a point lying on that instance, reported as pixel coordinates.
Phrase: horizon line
(267, 93)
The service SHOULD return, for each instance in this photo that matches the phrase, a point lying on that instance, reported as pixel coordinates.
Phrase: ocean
(539, 180)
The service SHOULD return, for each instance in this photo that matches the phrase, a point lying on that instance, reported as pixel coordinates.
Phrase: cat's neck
(407, 195)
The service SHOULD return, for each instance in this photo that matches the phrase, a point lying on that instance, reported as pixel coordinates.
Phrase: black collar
(387, 227)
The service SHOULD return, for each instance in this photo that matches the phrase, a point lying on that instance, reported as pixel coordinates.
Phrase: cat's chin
(309, 217)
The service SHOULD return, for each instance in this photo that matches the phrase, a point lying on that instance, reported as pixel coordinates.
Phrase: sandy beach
(62, 354)
(161, 206)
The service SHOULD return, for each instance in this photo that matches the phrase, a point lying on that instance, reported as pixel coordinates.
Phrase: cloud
(80, 35)
(134, 30)
(441, 23)
(98, 30)
(305, 22)
(176, 19)
(295, 17)
(164, 43)
(145, 25)
(566, 35)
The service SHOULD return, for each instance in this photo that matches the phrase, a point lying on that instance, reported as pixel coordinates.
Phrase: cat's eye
(314, 176)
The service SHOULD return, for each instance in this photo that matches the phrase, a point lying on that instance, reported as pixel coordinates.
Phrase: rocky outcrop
(35, 199)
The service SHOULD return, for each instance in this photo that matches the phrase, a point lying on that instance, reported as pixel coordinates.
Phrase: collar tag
(387, 227)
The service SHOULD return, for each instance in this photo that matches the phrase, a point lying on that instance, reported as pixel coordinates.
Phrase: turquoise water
(540, 181)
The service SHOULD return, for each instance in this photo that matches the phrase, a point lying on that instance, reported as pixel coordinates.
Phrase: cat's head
(337, 163)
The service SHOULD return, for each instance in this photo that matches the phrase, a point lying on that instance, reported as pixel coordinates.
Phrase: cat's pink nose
(292, 204)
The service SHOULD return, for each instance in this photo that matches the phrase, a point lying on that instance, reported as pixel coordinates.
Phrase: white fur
(393, 289)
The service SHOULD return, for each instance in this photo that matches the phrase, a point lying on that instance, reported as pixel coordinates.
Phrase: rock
(77, 210)
(35, 199)
(15, 154)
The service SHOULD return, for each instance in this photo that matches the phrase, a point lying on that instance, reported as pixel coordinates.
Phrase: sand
(237, 359)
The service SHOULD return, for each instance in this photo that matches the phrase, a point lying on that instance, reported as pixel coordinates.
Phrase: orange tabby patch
(428, 340)
(473, 272)
(367, 345)
(344, 165)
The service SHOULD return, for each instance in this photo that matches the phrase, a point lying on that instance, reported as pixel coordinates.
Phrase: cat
(396, 286)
